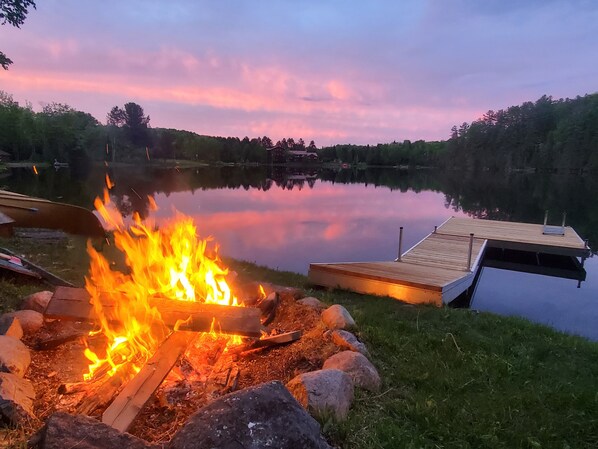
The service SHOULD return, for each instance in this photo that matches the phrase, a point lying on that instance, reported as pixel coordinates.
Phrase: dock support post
(545, 218)
(435, 228)
(400, 243)
(470, 251)
(564, 218)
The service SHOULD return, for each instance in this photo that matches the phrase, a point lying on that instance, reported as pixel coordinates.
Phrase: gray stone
(337, 317)
(16, 399)
(37, 301)
(31, 321)
(347, 340)
(310, 301)
(324, 393)
(264, 416)
(14, 356)
(10, 326)
(81, 432)
(356, 365)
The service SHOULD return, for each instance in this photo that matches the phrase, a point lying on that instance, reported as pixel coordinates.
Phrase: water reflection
(549, 300)
(286, 218)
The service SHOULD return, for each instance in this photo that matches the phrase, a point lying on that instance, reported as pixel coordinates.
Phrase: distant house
(301, 155)
(4, 156)
(278, 154)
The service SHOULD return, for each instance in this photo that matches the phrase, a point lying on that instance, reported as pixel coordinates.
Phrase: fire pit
(167, 334)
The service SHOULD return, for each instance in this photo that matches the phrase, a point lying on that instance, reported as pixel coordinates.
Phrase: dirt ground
(189, 386)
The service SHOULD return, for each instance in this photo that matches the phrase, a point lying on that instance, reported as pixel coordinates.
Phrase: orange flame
(35, 170)
(166, 263)
(109, 182)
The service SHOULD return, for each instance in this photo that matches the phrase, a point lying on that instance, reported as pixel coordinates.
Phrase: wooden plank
(412, 275)
(523, 233)
(74, 304)
(127, 405)
(395, 290)
(444, 251)
(270, 342)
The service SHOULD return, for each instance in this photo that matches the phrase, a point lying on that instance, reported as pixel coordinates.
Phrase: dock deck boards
(435, 269)
(517, 235)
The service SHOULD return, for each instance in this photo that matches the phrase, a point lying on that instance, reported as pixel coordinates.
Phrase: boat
(60, 164)
(30, 212)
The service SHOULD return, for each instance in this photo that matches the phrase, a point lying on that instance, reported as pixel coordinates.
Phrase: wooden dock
(436, 269)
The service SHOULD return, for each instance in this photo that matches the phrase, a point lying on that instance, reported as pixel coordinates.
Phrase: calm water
(286, 219)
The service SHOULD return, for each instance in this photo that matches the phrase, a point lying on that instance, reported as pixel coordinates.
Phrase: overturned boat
(24, 211)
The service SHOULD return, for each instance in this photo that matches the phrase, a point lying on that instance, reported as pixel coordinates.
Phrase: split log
(280, 339)
(53, 342)
(268, 342)
(127, 405)
(74, 304)
(101, 394)
(268, 307)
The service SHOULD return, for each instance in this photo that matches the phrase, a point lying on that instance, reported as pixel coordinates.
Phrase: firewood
(127, 405)
(101, 394)
(268, 307)
(74, 304)
(268, 342)
(279, 339)
(73, 387)
(53, 342)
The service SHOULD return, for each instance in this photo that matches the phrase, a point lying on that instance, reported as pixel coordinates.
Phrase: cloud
(359, 72)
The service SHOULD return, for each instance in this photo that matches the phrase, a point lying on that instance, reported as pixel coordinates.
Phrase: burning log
(73, 304)
(268, 342)
(268, 307)
(127, 405)
(101, 393)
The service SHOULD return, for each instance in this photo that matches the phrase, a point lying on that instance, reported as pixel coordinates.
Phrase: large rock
(37, 301)
(347, 340)
(310, 301)
(16, 399)
(337, 317)
(14, 356)
(31, 321)
(81, 432)
(264, 416)
(10, 326)
(356, 365)
(324, 393)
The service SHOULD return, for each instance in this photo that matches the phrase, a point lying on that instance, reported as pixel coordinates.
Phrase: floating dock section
(444, 264)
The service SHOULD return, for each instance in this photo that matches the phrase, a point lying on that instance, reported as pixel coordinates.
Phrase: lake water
(287, 218)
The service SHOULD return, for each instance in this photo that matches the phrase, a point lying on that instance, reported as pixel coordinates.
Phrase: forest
(546, 135)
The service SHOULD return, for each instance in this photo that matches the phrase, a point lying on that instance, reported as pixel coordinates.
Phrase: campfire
(172, 311)
(164, 265)
(158, 336)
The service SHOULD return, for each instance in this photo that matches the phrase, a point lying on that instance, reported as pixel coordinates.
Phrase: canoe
(30, 212)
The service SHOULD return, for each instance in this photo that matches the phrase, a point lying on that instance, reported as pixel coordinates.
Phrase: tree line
(545, 135)
(552, 135)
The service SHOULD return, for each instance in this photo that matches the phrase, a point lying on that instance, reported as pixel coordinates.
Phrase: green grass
(454, 378)
(451, 378)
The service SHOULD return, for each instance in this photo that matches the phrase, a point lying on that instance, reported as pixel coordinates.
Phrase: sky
(335, 71)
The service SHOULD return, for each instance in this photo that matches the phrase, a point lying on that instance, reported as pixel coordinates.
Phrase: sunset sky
(332, 71)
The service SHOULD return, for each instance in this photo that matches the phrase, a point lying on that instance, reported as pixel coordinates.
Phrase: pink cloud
(282, 101)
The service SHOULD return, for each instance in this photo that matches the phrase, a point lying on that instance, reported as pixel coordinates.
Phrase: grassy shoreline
(452, 378)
